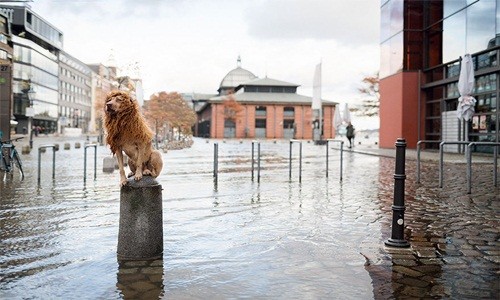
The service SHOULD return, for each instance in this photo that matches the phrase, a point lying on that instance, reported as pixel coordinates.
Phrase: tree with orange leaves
(169, 109)
(232, 108)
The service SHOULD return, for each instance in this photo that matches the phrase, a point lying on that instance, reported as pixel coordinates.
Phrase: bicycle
(10, 157)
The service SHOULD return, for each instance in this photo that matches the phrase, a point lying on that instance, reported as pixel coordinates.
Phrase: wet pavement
(277, 238)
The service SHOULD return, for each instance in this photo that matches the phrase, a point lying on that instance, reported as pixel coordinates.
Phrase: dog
(127, 131)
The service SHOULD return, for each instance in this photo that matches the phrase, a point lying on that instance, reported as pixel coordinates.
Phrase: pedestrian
(350, 134)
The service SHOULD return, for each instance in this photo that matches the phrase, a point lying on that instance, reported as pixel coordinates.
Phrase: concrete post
(108, 164)
(140, 235)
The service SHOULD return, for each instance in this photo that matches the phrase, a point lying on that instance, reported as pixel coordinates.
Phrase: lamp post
(30, 112)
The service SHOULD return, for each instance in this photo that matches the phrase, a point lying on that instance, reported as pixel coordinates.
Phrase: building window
(260, 123)
(289, 112)
(391, 52)
(260, 111)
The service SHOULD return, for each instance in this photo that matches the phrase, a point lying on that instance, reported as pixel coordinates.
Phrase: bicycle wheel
(17, 162)
(3, 164)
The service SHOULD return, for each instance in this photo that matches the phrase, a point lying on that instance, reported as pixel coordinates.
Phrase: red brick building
(269, 108)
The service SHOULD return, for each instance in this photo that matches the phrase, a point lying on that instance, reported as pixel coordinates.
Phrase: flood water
(277, 238)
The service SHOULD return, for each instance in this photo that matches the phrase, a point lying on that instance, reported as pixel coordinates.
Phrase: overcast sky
(190, 45)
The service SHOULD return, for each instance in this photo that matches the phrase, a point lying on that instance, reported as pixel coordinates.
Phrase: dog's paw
(138, 177)
(123, 182)
(146, 173)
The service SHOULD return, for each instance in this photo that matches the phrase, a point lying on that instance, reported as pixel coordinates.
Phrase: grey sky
(190, 45)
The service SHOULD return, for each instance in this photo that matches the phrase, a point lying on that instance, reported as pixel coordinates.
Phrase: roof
(197, 96)
(236, 77)
(284, 98)
(268, 82)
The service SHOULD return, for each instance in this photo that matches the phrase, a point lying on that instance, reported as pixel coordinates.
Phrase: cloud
(190, 45)
(320, 19)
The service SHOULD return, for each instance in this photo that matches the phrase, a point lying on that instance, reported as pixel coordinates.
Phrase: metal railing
(85, 162)
(418, 154)
(258, 160)
(441, 157)
(290, 160)
(216, 163)
(341, 155)
(53, 160)
(469, 162)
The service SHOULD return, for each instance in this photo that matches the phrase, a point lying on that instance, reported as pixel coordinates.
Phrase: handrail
(418, 154)
(469, 162)
(341, 155)
(441, 160)
(216, 163)
(53, 160)
(258, 160)
(300, 160)
(85, 162)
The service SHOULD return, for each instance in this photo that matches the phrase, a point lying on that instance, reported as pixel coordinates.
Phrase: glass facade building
(35, 84)
(36, 44)
(422, 43)
(5, 78)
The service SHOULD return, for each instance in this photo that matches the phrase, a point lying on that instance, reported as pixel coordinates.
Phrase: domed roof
(236, 77)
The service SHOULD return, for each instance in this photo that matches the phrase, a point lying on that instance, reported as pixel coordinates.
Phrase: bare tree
(371, 88)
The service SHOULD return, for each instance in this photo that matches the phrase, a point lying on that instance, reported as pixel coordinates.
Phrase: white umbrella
(466, 102)
(337, 119)
(346, 116)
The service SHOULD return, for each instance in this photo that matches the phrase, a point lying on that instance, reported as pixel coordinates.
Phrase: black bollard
(398, 208)
(140, 236)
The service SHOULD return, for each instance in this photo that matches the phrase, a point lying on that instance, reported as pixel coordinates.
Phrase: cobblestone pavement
(279, 238)
(454, 237)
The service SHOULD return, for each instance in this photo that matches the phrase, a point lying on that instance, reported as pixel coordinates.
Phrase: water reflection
(400, 273)
(275, 239)
(140, 279)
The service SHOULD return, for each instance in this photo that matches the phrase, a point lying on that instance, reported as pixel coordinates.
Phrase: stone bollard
(67, 146)
(26, 149)
(140, 234)
(108, 164)
(56, 147)
(77, 145)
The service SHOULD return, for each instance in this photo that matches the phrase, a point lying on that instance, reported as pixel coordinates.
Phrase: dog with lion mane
(127, 131)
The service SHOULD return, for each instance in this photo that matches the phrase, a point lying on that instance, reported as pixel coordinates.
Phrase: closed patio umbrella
(346, 116)
(466, 102)
(337, 119)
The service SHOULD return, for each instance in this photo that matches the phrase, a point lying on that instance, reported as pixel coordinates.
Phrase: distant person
(350, 134)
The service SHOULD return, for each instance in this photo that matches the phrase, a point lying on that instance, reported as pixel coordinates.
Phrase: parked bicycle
(10, 157)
